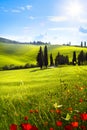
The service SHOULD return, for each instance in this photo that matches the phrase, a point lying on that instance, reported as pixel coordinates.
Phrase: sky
(54, 21)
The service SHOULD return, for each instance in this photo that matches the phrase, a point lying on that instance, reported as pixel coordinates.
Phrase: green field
(20, 54)
(41, 94)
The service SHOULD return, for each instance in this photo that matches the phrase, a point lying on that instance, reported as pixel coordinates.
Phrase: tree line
(42, 58)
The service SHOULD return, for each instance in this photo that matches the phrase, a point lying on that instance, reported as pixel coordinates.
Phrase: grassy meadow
(44, 97)
(50, 99)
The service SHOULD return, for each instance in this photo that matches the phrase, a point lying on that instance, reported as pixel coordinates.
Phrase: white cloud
(31, 17)
(28, 7)
(41, 37)
(63, 29)
(22, 8)
(22, 38)
(57, 18)
(26, 29)
(5, 10)
(83, 20)
(15, 11)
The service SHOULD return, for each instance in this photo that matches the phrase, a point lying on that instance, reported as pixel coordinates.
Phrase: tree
(84, 43)
(45, 56)
(81, 44)
(40, 58)
(86, 56)
(81, 58)
(51, 60)
(74, 58)
(67, 60)
(61, 60)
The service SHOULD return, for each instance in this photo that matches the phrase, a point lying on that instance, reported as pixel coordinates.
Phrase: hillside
(20, 54)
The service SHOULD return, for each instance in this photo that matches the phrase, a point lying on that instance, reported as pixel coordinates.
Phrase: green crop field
(50, 99)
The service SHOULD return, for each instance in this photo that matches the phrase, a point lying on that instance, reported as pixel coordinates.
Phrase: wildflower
(59, 123)
(34, 128)
(81, 88)
(31, 111)
(36, 111)
(26, 126)
(83, 116)
(74, 124)
(58, 111)
(70, 109)
(56, 105)
(26, 118)
(51, 128)
(68, 116)
(77, 111)
(75, 117)
(68, 90)
(13, 127)
(81, 100)
(68, 127)
(83, 127)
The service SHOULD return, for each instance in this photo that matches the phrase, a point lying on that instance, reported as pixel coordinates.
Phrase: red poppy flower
(26, 117)
(34, 128)
(13, 127)
(81, 100)
(31, 111)
(83, 127)
(68, 127)
(70, 109)
(58, 111)
(26, 126)
(83, 116)
(59, 123)
(51, 128)
(36, 111)
(75, 124)
(75, 117)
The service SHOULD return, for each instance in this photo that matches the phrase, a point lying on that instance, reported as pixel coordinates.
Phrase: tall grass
(41, 94)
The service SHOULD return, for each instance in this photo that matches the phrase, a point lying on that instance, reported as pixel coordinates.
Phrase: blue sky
(55, 21)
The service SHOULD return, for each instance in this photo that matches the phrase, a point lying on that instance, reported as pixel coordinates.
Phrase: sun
(74, 9)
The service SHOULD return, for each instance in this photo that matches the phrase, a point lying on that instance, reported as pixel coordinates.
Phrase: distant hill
(4, 40)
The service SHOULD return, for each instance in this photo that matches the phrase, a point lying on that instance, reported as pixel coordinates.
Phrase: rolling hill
(20, 54)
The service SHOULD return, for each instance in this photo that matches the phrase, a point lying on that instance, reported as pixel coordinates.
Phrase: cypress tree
(81, 44)
(84, 43)
(51, 60)
(74, 58)
(45, 56)
(81, 58)
(40, 58)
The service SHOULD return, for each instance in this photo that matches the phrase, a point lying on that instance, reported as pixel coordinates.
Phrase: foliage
(74, 58)
(40, 58)
(45, 56)
(61, 60)
(51, 60)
